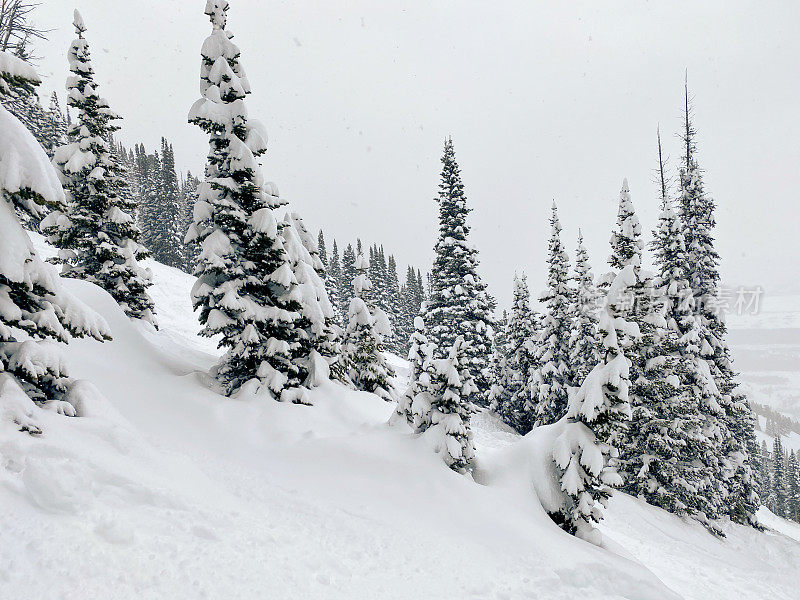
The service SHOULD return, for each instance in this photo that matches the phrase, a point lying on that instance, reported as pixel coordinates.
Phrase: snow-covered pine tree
(245, 289)
(144, 174)
(553, 373)
(697, 215)
(459, 304)
(450, 408)
(332, 284)
(348, 273)
(511, 398)
(56, 129)
(583, 342)
(764, 474)
(23, 102)
(792, 488)
(322, 335)
(363, 345)
(419, 356)
(694, 447)
(424, 292)
(35, 309)
(497, 363)
(395, 308)
(166, 234)
(323, 251)
(412, 297)
(97, 237)
(779, 491)
(190, 250)
(663, 449)
(586, 450)
(407, 303)
(377, 275)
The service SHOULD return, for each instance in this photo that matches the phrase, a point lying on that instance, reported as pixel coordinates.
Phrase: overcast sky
(544, 100)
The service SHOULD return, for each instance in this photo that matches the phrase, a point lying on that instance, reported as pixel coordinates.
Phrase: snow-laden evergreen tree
(510, 399)
(97, 237)
(459, 304)
(779, 491)
(553, 374)
(395, 305)
(672, 457)
(497, 363)
(586, 449)
(323, 251)
(450, 409)
(346, 281)
(35, 309)
(792, 488)
(413, 296)
(162, 213)
(322, 336)
(584, 346)
(677, 421)
(332, 282)
(245, 289)
(702, 268)
(56, 130)
(663, 442)
(23, 102)
(377, 275)
(145, 172)
(190, 250)
(166, 235)
(765, 474)
(363, 343)
(419, 356)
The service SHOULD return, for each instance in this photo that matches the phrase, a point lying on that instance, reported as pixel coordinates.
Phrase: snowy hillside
(169, 490)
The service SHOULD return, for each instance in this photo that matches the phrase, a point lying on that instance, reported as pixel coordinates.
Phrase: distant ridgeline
(777, 422)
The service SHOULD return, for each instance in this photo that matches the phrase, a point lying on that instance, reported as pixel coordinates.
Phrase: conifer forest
(524, 321)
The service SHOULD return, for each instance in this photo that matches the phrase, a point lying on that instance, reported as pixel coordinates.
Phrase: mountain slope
(168, 490)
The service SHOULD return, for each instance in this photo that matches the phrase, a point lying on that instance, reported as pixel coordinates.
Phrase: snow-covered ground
(168, 490)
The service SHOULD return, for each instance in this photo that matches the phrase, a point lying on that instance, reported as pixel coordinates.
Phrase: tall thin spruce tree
(553, 374)
(779, 491)
(459, 304)
(168, 242)
(584, 345)
(332, 282)
(697, 215)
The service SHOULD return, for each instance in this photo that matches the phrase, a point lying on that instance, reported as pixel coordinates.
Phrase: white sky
(544, 100)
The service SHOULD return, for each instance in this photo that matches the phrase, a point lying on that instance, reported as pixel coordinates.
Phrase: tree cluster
(636, 369)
